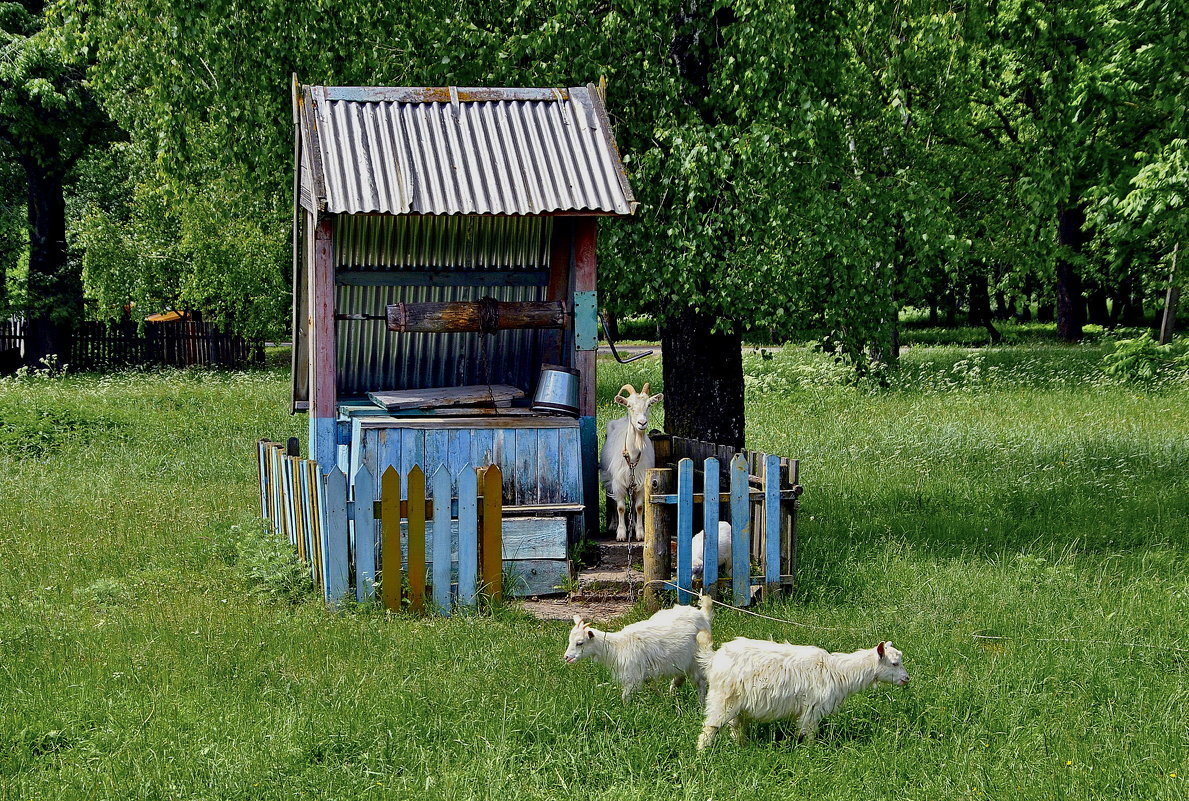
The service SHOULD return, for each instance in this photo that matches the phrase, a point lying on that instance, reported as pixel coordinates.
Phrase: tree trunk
(980, 306)
(54, 288)
(1097, 312)
(703, 374)
(1168, 320)
(1070, 305)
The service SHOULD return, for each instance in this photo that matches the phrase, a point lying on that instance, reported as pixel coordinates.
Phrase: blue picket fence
(759, 501)
(354, 535)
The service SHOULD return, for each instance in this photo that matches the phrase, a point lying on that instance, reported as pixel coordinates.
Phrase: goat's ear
(879, 649)
(657, 398)
(577, 620)
(589, 634)
(621, 400)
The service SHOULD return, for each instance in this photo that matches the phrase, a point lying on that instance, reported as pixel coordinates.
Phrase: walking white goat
(628, 455)
(665, 644)
(765, 681)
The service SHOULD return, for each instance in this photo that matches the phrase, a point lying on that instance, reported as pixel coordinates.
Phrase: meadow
(154, 645)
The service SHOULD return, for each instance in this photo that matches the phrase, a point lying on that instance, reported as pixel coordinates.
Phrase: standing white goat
(766, 681)
(665, 644)
(628, 455)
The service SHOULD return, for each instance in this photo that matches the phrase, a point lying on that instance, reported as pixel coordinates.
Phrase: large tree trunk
(979, 310)
(54, 289)
(703, 375)
(1071, 307)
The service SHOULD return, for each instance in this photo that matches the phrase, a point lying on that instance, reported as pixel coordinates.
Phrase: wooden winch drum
(557, 391)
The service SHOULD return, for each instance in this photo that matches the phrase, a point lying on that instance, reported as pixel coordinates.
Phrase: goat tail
(707, 604)
(705, 654)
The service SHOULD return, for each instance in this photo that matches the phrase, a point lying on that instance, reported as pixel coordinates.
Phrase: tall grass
(1036, 502)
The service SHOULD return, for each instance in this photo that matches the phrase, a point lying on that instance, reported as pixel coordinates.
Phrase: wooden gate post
(657, 527)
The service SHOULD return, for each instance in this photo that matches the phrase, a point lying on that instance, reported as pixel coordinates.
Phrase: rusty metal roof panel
(463, 151)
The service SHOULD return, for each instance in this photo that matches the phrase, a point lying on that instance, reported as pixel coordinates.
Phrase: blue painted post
(740, 532)
(365, 535)
(468, 537)
(710, 525)
(335, 565)
(685, 529)
(441, 540)
(771, 526)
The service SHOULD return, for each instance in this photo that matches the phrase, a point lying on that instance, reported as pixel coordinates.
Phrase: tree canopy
(800, 167)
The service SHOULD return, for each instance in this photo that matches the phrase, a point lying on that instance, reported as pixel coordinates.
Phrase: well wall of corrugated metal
(479, 157)
(371, 358)
(457, 242)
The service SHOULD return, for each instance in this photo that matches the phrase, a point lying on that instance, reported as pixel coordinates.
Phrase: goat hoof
(621, 537)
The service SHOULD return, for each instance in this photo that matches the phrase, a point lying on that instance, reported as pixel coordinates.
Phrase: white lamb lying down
(762, 681)
(663, 645)
(724, 549)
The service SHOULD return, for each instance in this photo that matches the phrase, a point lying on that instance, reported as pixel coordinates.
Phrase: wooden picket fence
(378, 543)
(99, 345)
(760, 494)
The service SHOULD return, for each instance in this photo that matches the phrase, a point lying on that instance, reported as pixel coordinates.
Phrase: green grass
(1010, 492)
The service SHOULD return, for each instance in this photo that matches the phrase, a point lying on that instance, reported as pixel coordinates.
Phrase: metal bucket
(557, 391)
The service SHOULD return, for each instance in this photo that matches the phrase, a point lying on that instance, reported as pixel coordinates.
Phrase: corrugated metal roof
(460, 151)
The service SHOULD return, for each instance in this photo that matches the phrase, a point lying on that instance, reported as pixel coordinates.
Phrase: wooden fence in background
(760, 493)
(96, 345)
(378, 543)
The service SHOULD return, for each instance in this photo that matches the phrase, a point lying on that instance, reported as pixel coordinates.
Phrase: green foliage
(1143, 360)
(270, 566)
(799, 167)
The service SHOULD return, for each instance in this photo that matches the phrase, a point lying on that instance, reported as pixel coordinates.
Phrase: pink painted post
(323, 392)
(585, 273)
(584, 281)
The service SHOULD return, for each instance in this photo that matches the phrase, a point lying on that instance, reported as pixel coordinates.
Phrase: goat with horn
(628, 455)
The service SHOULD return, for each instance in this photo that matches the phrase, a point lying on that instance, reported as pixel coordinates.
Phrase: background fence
(181, 343)
(447, 542)
(757, 493)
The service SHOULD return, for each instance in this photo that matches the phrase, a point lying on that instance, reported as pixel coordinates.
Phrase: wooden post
(740, 532)
(334, 537)
(321, 327)
(365, 535)
(771, 526)
(492, 485)
(710, 518)
(657, 527)
(789, 478)
(416, 519)
(468, 537)
(442, 540)
(685, 529)
(390, 556)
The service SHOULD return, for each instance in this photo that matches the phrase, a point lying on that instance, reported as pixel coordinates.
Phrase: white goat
(765, 681)
(724, 549)
(663, 645)
(628, 455)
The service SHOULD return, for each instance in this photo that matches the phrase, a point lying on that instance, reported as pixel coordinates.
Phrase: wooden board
(437, 397)
(554, 478)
